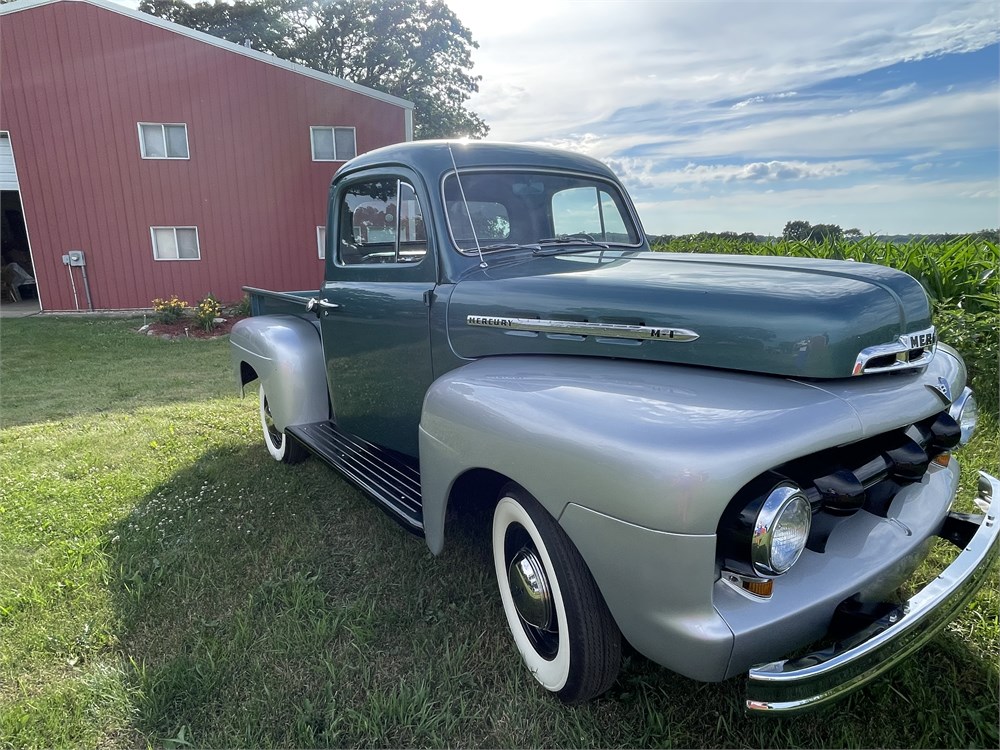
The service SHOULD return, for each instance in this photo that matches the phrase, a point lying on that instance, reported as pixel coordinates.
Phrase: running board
(389, 478)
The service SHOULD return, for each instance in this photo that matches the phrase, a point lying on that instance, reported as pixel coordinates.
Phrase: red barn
(173, 161)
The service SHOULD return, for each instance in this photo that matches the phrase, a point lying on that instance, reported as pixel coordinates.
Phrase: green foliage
(207, 310)
(169, 310)
(974, 335)
(796, 230)
(240, 309)
(265, 23)
(803, 230)
(414, 49)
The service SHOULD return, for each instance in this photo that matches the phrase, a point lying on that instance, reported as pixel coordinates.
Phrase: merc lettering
(481, 321)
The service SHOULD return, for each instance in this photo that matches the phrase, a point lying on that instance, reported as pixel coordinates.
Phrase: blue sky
(740, 116)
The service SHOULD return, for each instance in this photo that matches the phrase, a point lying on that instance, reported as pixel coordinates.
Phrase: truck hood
(784, 316)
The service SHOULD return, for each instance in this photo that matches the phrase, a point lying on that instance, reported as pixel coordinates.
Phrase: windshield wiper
(506, 246)
(569, 239)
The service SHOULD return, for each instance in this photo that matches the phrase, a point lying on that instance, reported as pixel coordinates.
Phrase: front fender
(661, 446)
(286, 353)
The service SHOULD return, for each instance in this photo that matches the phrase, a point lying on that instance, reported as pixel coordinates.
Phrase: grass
(164, 583)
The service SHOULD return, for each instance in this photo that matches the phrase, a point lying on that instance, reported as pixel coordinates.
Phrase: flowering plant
(169, 310)
(207, 311)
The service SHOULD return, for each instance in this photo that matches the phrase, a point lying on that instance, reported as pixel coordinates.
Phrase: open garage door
(8, 175)
(17, 282)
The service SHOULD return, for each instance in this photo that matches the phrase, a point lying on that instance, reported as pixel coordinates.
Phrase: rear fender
(286, 354)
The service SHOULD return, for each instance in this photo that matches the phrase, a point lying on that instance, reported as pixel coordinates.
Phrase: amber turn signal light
(758, 588)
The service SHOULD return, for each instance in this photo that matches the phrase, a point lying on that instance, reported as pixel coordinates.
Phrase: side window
(590, 211)
(381, 222)
(321, 242)
(614, 224)
(575, 211)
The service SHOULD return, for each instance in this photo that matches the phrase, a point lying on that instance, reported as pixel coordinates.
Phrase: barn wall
(75, 79)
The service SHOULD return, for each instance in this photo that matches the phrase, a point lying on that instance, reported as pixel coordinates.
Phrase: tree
(796, 230)
(414, 49)
(824, 232)
(266, 25)
(803, 230)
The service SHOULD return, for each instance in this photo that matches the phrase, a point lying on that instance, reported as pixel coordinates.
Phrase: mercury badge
(581, 328)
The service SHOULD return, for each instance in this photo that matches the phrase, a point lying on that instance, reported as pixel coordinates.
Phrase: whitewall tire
(556, 614)
(279, 445)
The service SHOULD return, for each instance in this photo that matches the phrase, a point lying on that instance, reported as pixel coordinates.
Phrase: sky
(741, 116)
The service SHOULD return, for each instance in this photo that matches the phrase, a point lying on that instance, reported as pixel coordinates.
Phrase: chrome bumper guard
(795, 685)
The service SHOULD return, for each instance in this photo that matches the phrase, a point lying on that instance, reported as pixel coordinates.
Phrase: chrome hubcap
(529, 588)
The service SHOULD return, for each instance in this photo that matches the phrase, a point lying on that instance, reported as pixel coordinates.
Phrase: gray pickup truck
(731, 463)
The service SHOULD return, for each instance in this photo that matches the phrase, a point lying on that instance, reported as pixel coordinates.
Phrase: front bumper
(794, 685)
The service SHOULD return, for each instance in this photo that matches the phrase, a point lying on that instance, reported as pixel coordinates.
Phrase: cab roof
(432, 158)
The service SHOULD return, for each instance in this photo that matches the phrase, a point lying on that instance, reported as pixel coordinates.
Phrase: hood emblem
(942, 389)
(581, 328)
(909, 351)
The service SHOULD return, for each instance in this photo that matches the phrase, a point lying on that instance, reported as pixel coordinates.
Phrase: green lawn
(164, 583)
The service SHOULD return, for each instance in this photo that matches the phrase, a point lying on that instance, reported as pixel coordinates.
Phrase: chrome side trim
(900, 349)
(787, 687)
(580, 328)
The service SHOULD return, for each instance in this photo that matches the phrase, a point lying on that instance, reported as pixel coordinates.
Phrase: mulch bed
(187, 328)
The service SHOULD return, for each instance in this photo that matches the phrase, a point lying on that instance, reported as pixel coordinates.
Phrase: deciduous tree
(796, 230)
(803, 230)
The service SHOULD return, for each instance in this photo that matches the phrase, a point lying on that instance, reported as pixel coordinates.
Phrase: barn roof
(113, 7)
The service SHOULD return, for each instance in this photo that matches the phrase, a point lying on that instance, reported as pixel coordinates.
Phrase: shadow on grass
(273, 606)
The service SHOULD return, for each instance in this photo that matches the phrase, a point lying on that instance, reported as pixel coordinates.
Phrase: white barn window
(163, 140)
(321, 242)
(175, 243)
(333, 143)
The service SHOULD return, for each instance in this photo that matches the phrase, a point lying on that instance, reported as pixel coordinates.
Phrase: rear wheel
(279, 445)
(556, 614)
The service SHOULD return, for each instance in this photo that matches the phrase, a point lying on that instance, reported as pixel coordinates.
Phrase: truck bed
(267, 302)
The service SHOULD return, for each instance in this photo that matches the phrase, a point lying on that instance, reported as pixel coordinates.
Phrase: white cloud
(762, 99)
(898, 93)
(653, 174)
(968, 120)
(573, 64)
(748, 102)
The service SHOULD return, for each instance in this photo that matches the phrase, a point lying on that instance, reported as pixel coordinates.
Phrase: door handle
(315, 305)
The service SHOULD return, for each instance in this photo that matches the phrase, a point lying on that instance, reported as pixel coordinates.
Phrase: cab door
(375, 311)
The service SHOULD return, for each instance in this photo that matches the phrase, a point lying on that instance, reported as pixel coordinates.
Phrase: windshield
(510, 209)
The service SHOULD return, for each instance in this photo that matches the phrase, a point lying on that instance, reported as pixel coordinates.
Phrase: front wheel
(556, 614)
(279, 445)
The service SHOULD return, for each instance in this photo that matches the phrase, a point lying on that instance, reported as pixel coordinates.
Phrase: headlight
(965, 411)
(780, 531)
